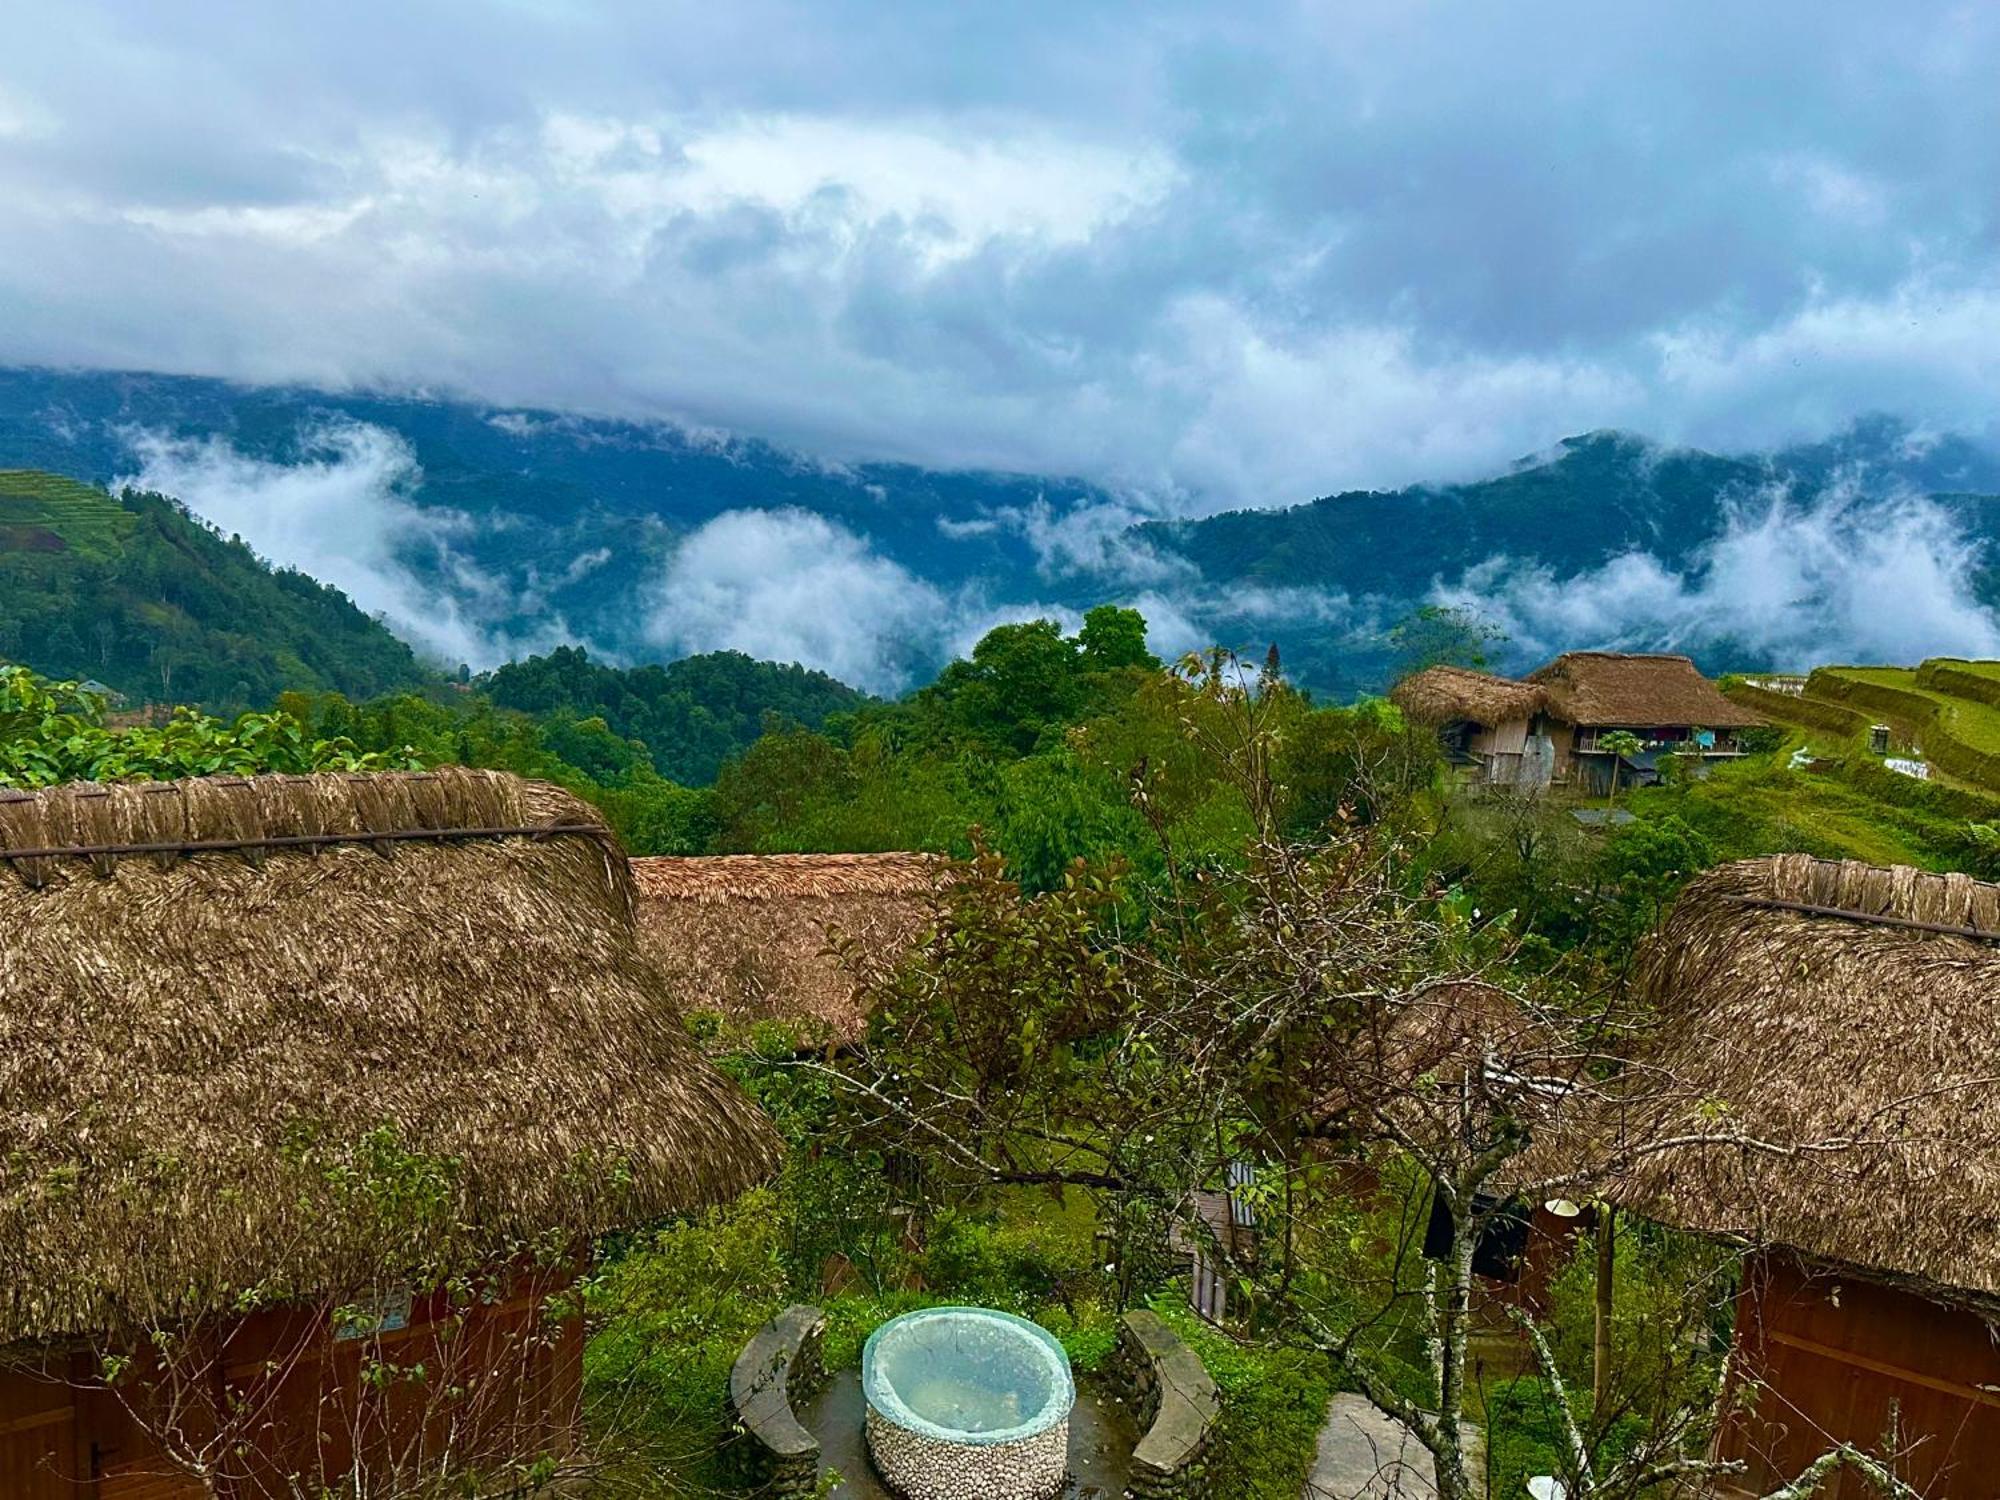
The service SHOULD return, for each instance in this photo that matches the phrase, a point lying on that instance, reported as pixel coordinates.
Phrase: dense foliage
(691, 715)
(52, 732)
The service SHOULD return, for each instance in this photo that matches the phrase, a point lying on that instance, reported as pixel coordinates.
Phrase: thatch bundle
(1444, 695)
(751, 936)
(1833, 1025)
(1615, 689)
(359, 1024)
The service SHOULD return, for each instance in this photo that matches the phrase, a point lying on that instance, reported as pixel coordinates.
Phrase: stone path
(1364, 1455)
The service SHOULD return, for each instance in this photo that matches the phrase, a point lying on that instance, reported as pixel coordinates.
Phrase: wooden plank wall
(303, 1407)
(1835, 1352)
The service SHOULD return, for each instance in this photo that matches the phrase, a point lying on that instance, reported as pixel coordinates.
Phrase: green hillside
(138, 594)
(1945, 712)
(692, 715)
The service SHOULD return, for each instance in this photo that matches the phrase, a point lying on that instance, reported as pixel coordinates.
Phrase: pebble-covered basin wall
(966, 1403)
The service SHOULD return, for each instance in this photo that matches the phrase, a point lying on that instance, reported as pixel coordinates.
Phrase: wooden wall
(1835, 1352)
(279, 1401)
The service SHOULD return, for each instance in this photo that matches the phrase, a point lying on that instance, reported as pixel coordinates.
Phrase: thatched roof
(750, 936)
(253, 1008)
(1440, 695)
(1616, 690)
(1798, 1028)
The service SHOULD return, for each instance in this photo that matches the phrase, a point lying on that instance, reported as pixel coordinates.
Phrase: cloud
(1848, 577)
(1208, 256)
(787, 585)
(341, 512)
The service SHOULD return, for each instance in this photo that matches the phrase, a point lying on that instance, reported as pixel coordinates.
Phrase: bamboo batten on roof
(750, 937)
(1442, 695)
(206, 1046)
(1846, 1053)
(1617, 689)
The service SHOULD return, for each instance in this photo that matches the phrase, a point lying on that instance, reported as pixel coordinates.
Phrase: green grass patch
(1274, 1402)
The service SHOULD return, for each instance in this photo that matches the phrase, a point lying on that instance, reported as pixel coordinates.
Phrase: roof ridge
(1896, 895)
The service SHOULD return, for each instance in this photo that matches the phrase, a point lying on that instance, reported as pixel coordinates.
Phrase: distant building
(110, 697)
(1549, 727)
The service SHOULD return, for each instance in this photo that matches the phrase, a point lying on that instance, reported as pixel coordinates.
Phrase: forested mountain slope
(691, 715)
(139, 595)
(647, 541)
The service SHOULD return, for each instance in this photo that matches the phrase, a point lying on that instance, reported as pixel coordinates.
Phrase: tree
(1442, 635)
(1318, 1012)
(1114, 638)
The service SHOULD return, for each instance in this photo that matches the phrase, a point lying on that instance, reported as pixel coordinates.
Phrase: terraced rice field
(1950, 708)
(47, 513)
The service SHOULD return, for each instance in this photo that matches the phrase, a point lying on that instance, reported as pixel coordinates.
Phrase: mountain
(139, 595)
(538, 527)
(481, 534)
(1854, 546)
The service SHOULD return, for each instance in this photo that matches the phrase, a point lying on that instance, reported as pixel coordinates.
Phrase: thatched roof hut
(1842, 1015)
(224, 1001)
(1825, 1078)
(1444, 695)
(750, 937)
(1616, 689)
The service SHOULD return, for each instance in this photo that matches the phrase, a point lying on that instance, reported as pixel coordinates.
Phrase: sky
(1207, 255)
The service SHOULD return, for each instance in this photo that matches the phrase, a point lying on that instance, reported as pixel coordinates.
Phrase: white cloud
(787, 585)
(342, 514)
(1847, 578)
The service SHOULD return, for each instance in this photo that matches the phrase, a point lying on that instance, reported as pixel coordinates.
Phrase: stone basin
(967, 1403)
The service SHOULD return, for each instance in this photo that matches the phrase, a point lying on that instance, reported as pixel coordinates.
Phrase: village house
(316, 1091)
(750, 939)
(1837, 1019)
(1549, 727)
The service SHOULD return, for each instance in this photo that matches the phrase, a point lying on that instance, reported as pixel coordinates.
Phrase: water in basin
(968, 1401)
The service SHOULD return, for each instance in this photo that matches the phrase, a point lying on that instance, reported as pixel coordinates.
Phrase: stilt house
(1550, 727)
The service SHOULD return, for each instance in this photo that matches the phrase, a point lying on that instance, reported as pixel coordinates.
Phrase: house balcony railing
(1678, 738)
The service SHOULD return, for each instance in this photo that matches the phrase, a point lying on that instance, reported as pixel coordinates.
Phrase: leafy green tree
(1442, 635)
(1113, 639)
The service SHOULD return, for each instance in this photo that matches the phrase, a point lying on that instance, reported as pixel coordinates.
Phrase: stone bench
(1174, 1395)
(779, 1365)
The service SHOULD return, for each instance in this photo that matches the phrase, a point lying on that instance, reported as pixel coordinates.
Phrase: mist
(343, 514)
(1846, 577)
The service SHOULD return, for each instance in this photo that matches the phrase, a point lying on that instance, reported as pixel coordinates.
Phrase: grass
(1959, 731)
(35, 504)
(1760, 806)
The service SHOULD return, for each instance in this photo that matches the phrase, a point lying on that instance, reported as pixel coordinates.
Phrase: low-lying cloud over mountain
(341, 511)
(1840, 577)
(1877, 545)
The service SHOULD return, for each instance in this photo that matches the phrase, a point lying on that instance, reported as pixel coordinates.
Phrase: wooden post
(1600, 1371)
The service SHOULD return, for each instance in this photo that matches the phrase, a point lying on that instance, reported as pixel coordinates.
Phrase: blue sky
(1213, 255)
